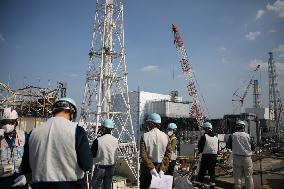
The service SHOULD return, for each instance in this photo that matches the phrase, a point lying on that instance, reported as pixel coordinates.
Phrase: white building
(144, 103)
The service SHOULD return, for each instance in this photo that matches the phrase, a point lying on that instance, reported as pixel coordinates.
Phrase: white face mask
(170, 133)
(8, 128)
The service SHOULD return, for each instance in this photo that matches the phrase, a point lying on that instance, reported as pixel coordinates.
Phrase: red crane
(196, 109)
(241, 97)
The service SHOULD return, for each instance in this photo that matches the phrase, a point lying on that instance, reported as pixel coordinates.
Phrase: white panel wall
(144, 103)
(141, 106)
(261, 113)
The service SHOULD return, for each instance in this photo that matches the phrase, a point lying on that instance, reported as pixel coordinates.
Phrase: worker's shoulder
(62, 121)
(80, 130)
(109, 138)
(240, 134)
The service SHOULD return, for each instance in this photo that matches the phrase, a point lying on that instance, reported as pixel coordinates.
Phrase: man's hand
(154, 172)
(20, 181)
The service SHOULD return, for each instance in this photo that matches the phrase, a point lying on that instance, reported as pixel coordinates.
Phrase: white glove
(154, 172)
(20, 181)
(161, 173)
(2, 132)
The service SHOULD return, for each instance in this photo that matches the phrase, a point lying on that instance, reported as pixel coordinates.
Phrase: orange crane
(196, 110)
(241, 97)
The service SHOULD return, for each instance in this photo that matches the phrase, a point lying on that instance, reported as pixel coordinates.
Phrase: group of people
(157, 150)
(242, 147)
(57, 154)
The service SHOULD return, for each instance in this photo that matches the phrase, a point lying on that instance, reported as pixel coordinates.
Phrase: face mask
(170, 133)
(8, 128)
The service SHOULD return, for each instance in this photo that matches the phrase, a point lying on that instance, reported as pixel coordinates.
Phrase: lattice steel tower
(106, 87)
(275, 105)
(256, 94)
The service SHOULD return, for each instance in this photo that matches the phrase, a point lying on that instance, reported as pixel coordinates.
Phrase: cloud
(272, 31)
(279, 50)
(223, 60)
(150, 68)
(223, 48)
(253, 64)
(264, 65)
(18, 46)
(2, 39)
(259, 14)
(277, 7)
(279, 68)
(252, 35)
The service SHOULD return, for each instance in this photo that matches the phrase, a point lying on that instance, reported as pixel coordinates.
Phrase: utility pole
(106, 86)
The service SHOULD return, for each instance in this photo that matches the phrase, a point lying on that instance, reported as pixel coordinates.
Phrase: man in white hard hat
(155, 151)
(12, 142)
(58, 152)
(242, 147)
(104, 149)
(208, 146)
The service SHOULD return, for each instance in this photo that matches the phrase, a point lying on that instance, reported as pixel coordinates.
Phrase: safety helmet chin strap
(70, 116)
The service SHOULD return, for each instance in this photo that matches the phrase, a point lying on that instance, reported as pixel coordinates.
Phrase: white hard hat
(65, 104)
(9, 114)
(240, 123)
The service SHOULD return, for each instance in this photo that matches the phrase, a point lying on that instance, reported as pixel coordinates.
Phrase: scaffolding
(31, 101)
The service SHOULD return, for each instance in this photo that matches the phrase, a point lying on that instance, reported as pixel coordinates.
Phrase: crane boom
(241, 98)
(196, 109)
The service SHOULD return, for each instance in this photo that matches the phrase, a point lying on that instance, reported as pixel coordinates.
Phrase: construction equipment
(196, 110)
(240, 97)
(106, 86)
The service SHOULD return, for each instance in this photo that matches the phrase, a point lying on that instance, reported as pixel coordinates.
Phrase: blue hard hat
(154, 117)
(240, 123)
(108, 123)
(207, 125)
(172, 126)
(65, 104)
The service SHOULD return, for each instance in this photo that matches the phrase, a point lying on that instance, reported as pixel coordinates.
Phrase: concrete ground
(272, 174)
